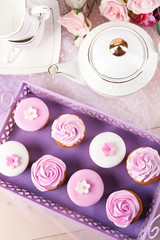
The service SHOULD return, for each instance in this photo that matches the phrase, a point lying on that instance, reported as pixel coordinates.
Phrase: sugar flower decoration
(12, 161)
(30, 113)
(108, 149)
(82, 187)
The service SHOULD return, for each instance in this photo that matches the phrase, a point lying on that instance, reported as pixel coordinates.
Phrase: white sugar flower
(30, 113)
(82, 187)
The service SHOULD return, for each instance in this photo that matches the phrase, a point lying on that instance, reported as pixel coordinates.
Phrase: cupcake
(14, 158)
(31, 114)
(48, 173)
(143, 165)
(123, 208)
(85, 188)
(107, 149)
(68, 130)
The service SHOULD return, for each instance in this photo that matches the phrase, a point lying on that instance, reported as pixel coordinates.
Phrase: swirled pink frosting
(47, 172)
(122, 207)
(143, 164)
(68, 129)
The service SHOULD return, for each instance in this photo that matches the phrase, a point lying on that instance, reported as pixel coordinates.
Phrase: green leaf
(76, 37)
(131, 14)
(158, 27)
(85, 19)
(77, 10)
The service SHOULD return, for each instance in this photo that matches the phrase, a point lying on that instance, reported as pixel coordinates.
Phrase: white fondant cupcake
(14, 158)
(107, 149)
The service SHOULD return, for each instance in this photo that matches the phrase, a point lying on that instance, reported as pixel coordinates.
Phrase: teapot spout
(69, 69)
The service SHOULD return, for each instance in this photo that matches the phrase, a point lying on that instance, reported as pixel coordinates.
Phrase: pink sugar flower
(12, 161)
(108, 149)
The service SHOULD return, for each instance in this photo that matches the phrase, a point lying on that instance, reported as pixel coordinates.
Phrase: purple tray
(40, 143)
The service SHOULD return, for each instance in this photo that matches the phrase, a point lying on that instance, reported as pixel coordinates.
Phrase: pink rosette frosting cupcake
(143, 165)
(123, 208)
(68, 130)
(48, 173)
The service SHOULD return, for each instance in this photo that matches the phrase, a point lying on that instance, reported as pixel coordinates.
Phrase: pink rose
(145, 20)
(75, 4)
(76, 23)
(114, 10)
(142, 6)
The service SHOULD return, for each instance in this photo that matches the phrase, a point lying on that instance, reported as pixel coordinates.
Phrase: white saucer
(37, 60)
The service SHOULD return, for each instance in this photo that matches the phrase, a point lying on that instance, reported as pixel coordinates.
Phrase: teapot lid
(118, 54)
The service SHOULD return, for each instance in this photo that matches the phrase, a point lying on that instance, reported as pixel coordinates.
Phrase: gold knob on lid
(118, 47)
